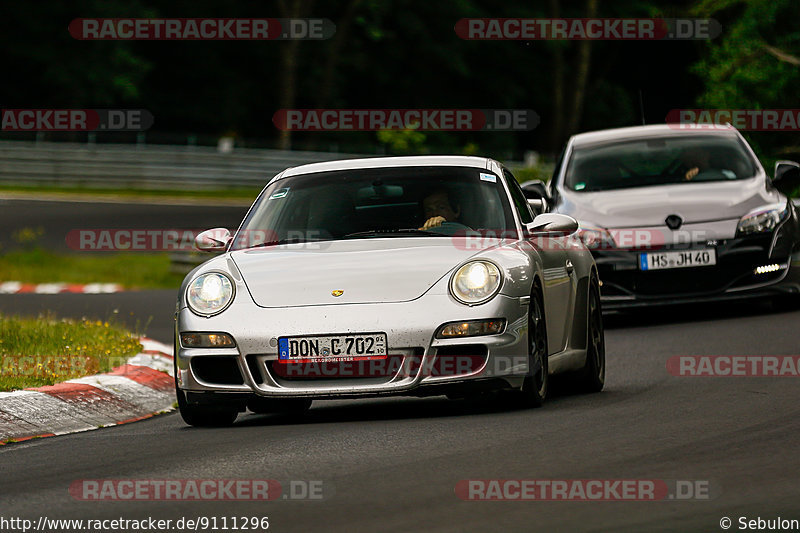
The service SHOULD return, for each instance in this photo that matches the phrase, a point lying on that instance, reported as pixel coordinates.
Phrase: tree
(756, 65)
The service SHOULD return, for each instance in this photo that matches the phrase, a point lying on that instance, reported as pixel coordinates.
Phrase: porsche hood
(364, 270)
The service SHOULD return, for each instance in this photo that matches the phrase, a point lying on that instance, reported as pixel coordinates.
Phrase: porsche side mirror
(787, 177)
(213, 240)
(535, 190)
(554, 224)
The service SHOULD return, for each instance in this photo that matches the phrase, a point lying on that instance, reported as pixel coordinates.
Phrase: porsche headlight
(210, 293)
(762, 220)
(476, 282)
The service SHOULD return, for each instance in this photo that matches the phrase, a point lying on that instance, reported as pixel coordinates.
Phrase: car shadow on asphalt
(695, 312)
(561, 396)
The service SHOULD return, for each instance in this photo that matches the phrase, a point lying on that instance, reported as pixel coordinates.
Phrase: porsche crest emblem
(337, 293)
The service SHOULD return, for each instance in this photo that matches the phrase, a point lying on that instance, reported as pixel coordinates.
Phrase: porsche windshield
(658, 161)
(378, 202)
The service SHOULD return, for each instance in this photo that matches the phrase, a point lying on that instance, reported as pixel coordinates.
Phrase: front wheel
(205, 415)
(202, 415)
(534, 387)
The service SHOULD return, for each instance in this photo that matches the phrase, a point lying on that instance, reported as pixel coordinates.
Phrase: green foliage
(132, 269)
(403, 142)
(402, 54)
(540, 172)
(741, 68)
(754, 65)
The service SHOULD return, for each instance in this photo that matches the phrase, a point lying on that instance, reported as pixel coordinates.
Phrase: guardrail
(146, 166)
(141, 166)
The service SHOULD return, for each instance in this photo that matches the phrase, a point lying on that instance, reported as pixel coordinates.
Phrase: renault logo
(337, 293)
(674, 221)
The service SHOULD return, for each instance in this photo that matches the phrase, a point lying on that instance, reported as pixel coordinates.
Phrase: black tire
(201, 415)
(205, 415)
(593, 375)
(786, 303)
(535, 385)
(285, 406)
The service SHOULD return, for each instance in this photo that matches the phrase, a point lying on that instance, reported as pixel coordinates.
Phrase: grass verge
(46, 350)
(131, 270)
(244, 193)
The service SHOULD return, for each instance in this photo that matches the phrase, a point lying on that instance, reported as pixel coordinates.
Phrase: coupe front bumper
(734, 275)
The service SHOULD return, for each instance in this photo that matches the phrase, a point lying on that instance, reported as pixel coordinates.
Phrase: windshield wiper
(403, 232)
(293, 240)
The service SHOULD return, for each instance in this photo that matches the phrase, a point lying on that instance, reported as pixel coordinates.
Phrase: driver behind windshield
(696, 160)
(439, 207)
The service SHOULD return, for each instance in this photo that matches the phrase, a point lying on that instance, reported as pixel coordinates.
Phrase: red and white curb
(17, 287)
(139, 389)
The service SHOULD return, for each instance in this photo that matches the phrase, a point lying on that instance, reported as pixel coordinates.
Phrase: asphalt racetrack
(394, 464)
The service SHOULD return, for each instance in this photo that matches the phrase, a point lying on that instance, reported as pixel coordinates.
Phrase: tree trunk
(583, 63)
(557, 135)
(334, 47)
(289, 59)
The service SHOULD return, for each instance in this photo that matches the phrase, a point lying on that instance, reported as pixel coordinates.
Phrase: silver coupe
(387, 276)
(677, 214)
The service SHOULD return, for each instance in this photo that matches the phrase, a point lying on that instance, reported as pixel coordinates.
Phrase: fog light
(207, 340)
(471, 328)
(766, 269)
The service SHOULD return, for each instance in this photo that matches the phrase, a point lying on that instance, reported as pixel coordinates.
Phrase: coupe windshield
(658, 161)
(381, 202)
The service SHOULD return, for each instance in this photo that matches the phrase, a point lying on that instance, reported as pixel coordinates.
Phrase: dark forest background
(403, 54)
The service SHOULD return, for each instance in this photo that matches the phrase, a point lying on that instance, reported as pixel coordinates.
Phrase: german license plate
(681, 259)
(334, 348)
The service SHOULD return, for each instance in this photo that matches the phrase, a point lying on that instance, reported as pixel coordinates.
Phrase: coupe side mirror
(538, 206)
(553, 224)
(535, 190)
(213, 240)
(787, 177)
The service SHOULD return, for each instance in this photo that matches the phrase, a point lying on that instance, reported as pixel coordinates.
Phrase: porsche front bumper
(420, 363)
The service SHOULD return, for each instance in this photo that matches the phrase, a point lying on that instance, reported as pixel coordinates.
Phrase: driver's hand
(691, 173)
(433, 222)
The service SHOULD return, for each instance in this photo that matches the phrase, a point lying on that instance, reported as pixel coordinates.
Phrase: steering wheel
(449, 228)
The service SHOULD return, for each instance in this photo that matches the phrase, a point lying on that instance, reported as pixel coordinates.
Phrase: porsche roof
(382, 162)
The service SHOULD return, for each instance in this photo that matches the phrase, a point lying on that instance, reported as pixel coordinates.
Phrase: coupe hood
(366, 270)
(649, 206)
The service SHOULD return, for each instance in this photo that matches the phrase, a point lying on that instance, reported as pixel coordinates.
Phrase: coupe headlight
(476, 282)
(762, 219)
(594, 237)
(210, 293)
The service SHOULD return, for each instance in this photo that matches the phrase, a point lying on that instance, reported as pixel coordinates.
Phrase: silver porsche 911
(388, 276)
